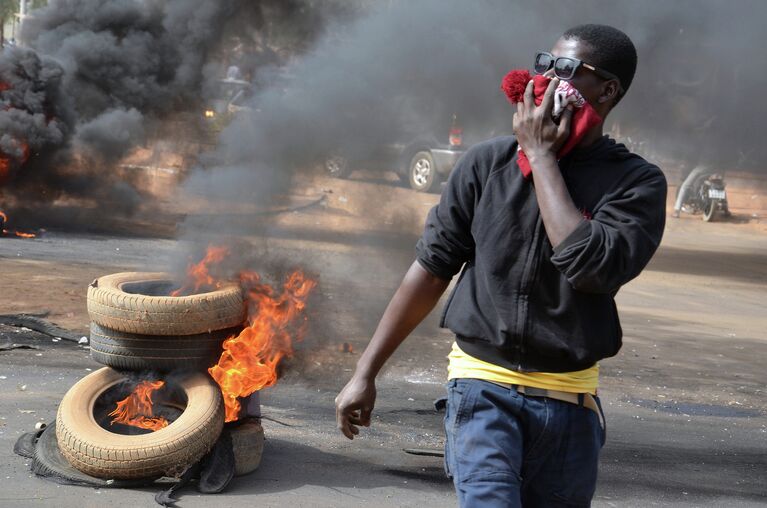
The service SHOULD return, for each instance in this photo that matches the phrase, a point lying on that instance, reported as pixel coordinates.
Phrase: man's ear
(609, 91)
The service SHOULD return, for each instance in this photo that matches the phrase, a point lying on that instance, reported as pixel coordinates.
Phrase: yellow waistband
(462, 365)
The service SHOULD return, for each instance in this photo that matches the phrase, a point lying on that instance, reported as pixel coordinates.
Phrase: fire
(3, 220)
(6, 163)
(136, 408)
(5, 169)
(249, 361)
(198, 274)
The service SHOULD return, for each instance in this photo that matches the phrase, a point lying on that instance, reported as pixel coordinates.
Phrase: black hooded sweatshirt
(518, 303)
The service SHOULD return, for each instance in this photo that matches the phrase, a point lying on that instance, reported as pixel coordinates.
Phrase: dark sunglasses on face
(565, 67)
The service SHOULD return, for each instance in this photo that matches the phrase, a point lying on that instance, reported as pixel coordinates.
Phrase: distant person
(533, 311)
(689, 184)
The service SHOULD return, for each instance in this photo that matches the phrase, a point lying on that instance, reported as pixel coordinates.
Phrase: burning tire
(92, 449)
(136, 302)
(130, 351)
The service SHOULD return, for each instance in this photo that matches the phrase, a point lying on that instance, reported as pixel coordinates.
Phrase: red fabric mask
(584, 118)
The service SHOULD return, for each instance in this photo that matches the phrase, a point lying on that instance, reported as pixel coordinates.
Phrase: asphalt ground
(684, 400)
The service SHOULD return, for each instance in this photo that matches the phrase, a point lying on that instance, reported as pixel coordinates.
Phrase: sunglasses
(565, 67)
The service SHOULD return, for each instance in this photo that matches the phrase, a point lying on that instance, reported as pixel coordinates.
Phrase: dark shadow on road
(738, 266)
(682, 473)
(288, 466)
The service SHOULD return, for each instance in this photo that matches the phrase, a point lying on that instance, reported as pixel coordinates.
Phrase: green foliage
(7, 9)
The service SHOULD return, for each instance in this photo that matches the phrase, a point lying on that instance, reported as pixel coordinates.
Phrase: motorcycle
(707, 195)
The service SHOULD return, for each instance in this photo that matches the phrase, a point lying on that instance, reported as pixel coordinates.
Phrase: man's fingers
(345, 424)
(365, 416)
(349, 431)
(563, 130)
(548, 98)
(528, 99)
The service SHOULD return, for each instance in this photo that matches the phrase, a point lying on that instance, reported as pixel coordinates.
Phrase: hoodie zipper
(528, 277)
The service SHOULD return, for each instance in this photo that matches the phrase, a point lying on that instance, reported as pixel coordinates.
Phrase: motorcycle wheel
(709, 210)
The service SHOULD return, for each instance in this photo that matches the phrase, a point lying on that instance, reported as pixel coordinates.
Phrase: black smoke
(108, 74)
(349, 77)
(34, 117)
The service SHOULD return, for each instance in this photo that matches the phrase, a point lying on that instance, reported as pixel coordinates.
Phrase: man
(533, 312)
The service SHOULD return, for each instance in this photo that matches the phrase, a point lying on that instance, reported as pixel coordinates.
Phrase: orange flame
(136, 408)
(5, 161)
(5, 169)
(3, 220)
(198, 274)
(249, 361)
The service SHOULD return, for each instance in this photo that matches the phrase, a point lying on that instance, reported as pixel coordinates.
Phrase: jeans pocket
(447, 422)
(603, 420)
(461, 398)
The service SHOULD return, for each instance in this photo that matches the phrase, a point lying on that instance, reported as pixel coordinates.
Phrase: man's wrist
(365, 373)
(541, 157)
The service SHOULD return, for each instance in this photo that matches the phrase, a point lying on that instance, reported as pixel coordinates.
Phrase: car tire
(422, 173)
(110, 305)
(130, 351)
(338, 166)
(167, 452)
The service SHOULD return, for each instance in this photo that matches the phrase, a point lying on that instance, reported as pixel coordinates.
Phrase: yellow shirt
(462, 365)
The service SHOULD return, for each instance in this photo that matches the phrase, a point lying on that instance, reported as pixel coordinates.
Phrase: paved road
(684, 399)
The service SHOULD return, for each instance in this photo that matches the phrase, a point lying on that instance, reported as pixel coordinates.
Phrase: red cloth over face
(584, 118)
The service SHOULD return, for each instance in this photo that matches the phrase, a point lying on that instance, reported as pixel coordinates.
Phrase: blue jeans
(504, 449)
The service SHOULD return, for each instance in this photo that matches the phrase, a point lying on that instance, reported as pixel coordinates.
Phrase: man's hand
(354, 405)
(416, 296)
(537, 133)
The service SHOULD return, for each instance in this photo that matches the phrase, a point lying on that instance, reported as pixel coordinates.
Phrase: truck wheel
(422, 174)
(166, 452)
(136, 302)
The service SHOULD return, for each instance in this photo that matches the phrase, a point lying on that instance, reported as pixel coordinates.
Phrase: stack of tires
(136, 326)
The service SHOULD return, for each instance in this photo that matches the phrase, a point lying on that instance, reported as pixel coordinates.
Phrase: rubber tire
(49, 463)
(709, 211)
(432, 181)
(111, 307)
(130, 351)
(166, 452)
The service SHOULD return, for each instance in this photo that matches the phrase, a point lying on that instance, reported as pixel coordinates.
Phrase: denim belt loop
(581, 396)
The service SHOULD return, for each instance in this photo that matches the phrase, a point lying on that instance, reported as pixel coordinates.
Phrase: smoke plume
(349, 77)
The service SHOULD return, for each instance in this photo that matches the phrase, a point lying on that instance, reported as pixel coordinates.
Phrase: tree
(8, 9)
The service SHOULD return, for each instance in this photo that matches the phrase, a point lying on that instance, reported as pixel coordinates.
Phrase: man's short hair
(609, 49)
